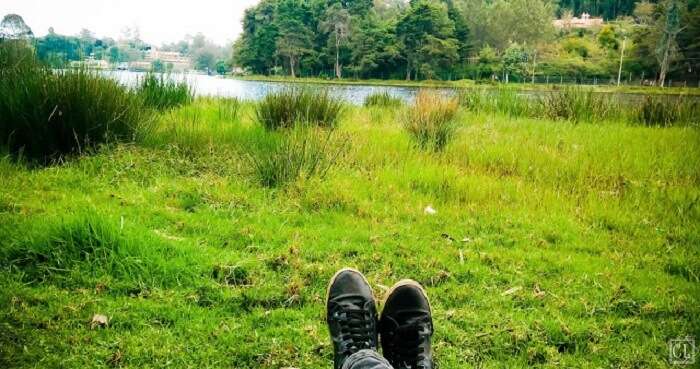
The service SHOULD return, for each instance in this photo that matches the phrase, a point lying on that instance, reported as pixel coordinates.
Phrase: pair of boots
(405, 325)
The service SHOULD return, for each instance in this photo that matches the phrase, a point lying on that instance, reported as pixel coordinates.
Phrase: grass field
(554, 244)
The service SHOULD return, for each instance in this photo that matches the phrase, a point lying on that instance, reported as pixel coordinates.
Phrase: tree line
(474, 39)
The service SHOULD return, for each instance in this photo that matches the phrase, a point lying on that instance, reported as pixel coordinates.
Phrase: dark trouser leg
(366, 359)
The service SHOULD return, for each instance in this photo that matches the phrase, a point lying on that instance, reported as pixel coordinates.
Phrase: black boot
(351, 315)
(406, 326)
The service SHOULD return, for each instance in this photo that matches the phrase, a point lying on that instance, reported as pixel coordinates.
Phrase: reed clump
(382, 99)
(289, 107)
(46, 115)
(277, 158)
(430, 121)
(162, 92)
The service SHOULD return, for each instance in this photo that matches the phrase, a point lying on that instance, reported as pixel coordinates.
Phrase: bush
(431, 120)
(162, 92)
(383, 99)
(277, 158)
(577, 105)
(666, 111)
(286, 108)
(45, 115)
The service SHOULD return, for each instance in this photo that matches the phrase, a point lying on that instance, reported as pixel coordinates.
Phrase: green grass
(595, 227)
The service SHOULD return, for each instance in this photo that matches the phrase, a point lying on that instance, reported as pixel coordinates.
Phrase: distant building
(90, 63)
(586, 21)
(179, 62)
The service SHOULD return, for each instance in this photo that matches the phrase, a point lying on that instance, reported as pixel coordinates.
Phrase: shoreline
(469, 84)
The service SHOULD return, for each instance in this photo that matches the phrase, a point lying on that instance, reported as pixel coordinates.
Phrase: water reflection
(254, 90)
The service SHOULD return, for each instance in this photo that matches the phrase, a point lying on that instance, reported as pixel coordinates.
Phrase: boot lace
(356, 327)
(407, 349)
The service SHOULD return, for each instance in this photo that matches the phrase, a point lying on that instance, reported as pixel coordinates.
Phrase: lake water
(254, 90)
(355, 94)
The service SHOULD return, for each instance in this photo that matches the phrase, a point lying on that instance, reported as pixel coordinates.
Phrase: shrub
(277, 158)
(431, 120)
(666, 111)
(162, 92)
(286, 108)
(383, 99)
(577, 105)
(45, 115)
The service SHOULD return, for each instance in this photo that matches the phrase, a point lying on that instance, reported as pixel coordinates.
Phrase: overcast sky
(159, 21)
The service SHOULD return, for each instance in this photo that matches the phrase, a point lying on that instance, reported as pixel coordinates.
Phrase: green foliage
(303, 152)
(45, 115)
(286, 108)
(431, 120)
(382, 99)
(162, 92)
(157, 66)
(426, 34)
(607, 38)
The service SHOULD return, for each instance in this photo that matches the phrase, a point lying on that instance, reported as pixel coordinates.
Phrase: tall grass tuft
(162, 92)
(499, 100)
(277, 158)
(45, 115)
(228, 108)
(665, 111)
(431, 120)
(577, 105)
(288, 107)
(382, 99)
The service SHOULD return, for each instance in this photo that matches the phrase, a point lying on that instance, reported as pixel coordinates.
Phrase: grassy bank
(469, 84)
(554, 244)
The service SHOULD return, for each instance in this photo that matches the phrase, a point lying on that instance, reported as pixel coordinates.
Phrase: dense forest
(469, 39)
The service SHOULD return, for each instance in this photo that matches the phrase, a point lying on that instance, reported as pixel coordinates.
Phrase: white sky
(159, 21)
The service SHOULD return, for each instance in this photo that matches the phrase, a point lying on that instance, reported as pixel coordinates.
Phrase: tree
(256, 49)
(514, 61)
(158, 66)
(607, 38)
(12, 27)
(489, 62)
(295, 38)
(500, 22)
(337, 23)
(671, 29)
(114, 55)
(427, 37)
(374, 48)
(222, 67)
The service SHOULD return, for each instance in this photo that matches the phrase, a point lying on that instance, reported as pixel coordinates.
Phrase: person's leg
(366, 359)
(406, 327)
(351, 314)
